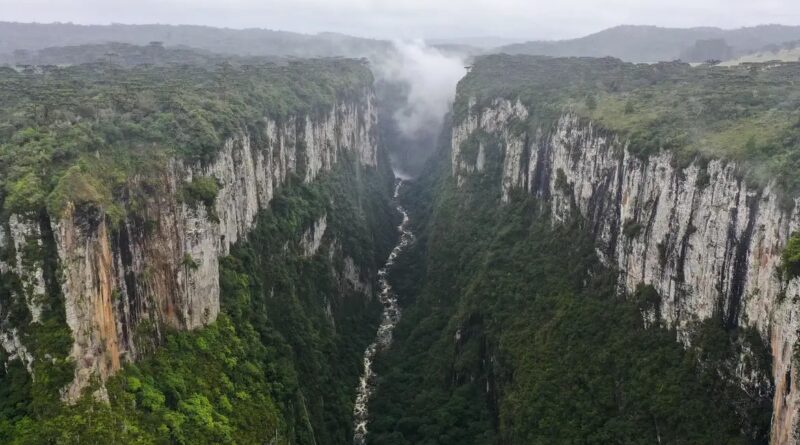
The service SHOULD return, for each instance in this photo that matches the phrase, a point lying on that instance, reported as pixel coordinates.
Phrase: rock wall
(27, 245)
(21, 245)
(705, 239)
(311, 240)
(125, 281)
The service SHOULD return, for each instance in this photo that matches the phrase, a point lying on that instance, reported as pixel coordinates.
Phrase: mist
(420, 82)
(431, 77)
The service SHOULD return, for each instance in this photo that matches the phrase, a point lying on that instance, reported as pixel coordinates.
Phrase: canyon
(113, 284)
(241, 256)
(709, 249)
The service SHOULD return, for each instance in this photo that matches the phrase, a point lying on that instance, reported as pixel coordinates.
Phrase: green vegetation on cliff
(78, 133)
(48, 341)
(513, 333)
(280, 364)
(790, 259)
(748, 113)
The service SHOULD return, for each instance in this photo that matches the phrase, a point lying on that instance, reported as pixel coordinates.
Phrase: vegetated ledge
(749, 114)
(79, 133)
(710, 242)
(143, 182)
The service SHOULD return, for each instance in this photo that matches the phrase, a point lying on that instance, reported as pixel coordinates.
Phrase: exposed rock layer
(707, 241)
(125, 281)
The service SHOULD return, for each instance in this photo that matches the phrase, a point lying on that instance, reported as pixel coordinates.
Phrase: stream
(383, 338)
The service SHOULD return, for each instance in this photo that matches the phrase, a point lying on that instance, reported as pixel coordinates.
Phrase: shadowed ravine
(383, 338)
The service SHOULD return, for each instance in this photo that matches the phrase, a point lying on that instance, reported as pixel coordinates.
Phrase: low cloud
(430, 77)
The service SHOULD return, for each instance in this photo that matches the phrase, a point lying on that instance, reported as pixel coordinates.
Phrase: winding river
(383, 338)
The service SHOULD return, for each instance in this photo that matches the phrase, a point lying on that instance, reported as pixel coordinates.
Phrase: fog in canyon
(416, 86)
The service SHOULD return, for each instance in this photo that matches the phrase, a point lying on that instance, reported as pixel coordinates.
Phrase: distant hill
(630, 43)
(454, 49)
(245, 42)
(126, 54)
(485, 42)
(652, 44)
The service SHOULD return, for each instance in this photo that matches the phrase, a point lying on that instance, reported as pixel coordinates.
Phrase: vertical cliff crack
(50, 267)
(617, 212)
(740, 263)
(597, 207)
(302, 154)
(526, 162)
(128, 304)
(649, 230)
(540, 181)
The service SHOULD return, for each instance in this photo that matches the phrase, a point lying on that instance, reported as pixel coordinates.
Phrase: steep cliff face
(125, 281)
(707, 241)
(21, 241)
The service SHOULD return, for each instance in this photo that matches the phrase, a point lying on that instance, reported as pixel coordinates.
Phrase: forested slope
(187, 253)
(599, 260)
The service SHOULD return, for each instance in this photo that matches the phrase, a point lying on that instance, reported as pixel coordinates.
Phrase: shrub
(202, 189)
(591, 102)
(24, 195)
(631, 228)
(790, 259)
(629, 108)
(189, 262)
(647, 297)
(562, 183)
(662, 253)
(703, 178)
(77, 187)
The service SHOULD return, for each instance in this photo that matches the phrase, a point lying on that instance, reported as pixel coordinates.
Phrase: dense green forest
(123, 54)
(514, 333)
(281, 363)
(275, 365)
(748, 113)
(77, 133)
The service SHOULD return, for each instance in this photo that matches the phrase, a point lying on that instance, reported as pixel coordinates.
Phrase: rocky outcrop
(707, 241)
(350, 275)
(89, 284)
(312, 237)
(125, 280)
(21, 246)
(15, 349)
(26, 241)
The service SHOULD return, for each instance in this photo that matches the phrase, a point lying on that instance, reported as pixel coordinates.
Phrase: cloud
(430, 77)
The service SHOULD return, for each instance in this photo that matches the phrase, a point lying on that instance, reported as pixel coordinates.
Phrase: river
(383, 338)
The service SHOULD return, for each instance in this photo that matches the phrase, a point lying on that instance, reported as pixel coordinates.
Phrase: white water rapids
(383, 338)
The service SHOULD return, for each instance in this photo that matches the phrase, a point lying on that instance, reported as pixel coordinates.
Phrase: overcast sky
(413, 18)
